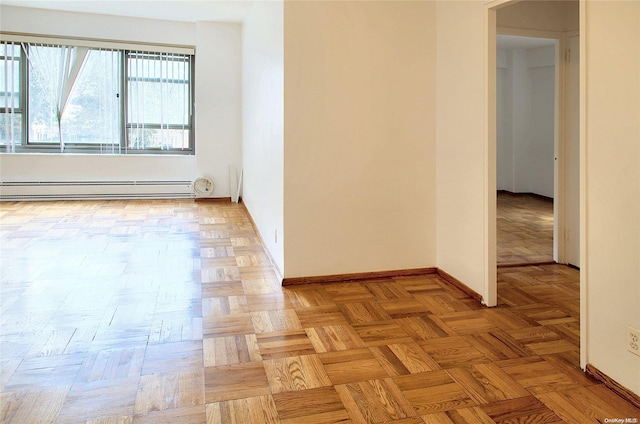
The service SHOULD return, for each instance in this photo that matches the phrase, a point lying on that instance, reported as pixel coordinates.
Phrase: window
(11, 99)
(94, 100)
(158, 105)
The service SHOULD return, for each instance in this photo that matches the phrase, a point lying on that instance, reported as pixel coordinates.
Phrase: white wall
(538, 176)
(359, 167)
(460, 154)
(525, 120)
(611, 198)
(263, 121)
(68, 24)
(504, 122)
(522, 111)
(218, 102)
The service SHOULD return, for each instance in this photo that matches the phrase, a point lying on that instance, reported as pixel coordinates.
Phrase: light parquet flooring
(524, 229)
(169, 312)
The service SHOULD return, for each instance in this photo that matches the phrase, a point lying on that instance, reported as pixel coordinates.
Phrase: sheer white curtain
(96, 101)
(59, 67)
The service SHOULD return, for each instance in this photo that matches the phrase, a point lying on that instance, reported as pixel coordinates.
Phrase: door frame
(489, 144)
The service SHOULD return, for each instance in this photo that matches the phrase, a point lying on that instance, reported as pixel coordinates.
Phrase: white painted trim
(526, 32)
(559, 180)
(490, 294)
(584, 217)
(498, 4)
(94, 43)
(564, 179)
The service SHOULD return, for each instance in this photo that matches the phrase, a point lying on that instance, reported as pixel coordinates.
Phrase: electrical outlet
(633, 340)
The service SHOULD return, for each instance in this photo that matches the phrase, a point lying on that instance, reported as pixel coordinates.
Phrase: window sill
(110, 155)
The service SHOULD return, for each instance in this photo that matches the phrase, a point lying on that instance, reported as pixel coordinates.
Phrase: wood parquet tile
(375, 401)
(261, 409)
(473, 415)
(235, 381)
(281, 344)
(537, 375)
(276, 320)
(433, 391)
(334, 338)
(295, 373)
(316, 316)
(169, 390)
(230, 350)
(320, 405)
(125, 312)
(189, 415)
(350, 366)
(381, 333)
(523, 409)
(362, 312)
(454, 351)
(403, 359)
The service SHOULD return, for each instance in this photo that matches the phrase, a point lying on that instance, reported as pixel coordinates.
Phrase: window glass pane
(10, 49)
(156, 103)
(145, 138)
(92, 112)
(44, 68)
(10, 126)
(158, 89)
(9, 83)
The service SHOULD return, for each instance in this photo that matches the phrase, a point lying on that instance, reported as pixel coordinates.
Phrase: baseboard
(526, 193)
(274, 265)
(460, 286)
(360, 276)
(519, 264)
(379, 275)
(613, 385)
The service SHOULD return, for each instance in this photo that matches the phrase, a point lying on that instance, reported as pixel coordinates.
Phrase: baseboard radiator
(69, 190)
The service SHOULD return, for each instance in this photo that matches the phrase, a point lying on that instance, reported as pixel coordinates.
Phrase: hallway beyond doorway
(524, 229)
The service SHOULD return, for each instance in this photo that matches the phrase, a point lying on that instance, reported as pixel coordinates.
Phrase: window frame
(125, 107)
(23, 96)
(121, 147)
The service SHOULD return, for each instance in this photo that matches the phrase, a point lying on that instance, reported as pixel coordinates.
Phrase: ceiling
(175, 10)
(517, 42)
(200, 10)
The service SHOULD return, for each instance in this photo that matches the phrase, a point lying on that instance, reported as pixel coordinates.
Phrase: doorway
(568, 159)
(561, 21)
(527, 85)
